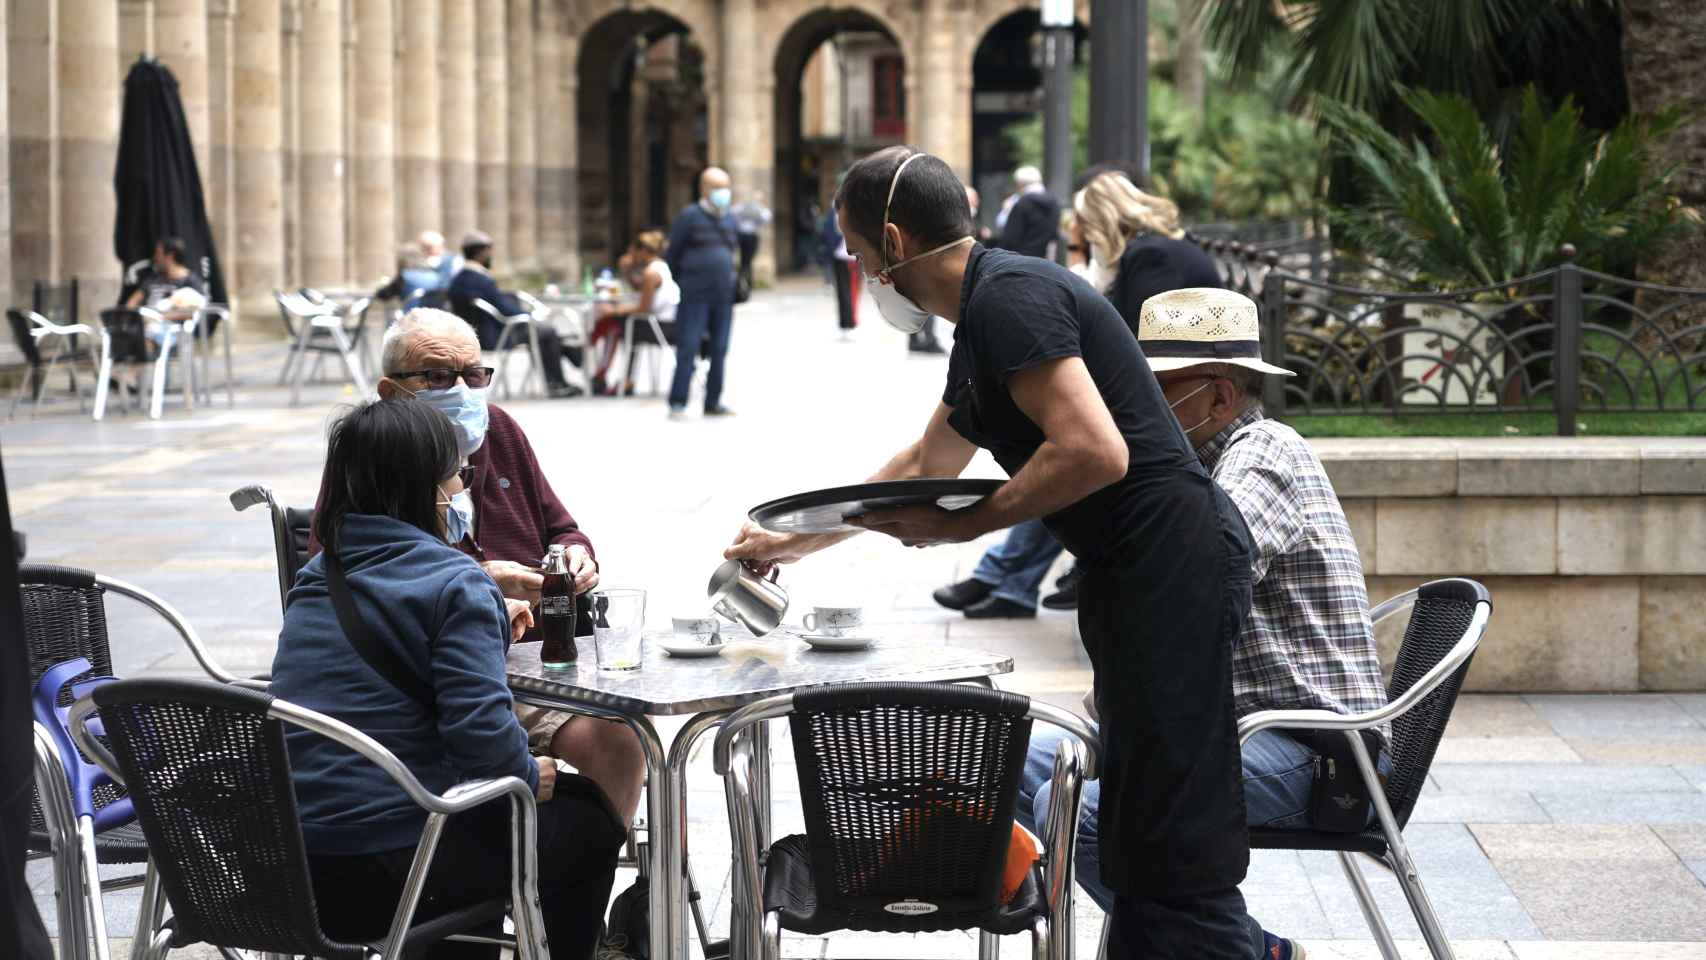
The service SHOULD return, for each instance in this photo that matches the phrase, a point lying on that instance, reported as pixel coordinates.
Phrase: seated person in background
(391, 479)
(158, 285)
(474, 282)
(513, 519)
(414, 278)
(439, 260)
(646, 270)
(1129, 246)
(1308, 643)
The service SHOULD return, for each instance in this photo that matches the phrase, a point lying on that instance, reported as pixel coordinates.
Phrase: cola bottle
(557, 610)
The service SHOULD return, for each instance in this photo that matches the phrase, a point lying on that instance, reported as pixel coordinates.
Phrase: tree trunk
(1188, 63)
(1664, 57)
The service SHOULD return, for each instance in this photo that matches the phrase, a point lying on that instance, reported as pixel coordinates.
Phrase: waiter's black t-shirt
(1017, 312)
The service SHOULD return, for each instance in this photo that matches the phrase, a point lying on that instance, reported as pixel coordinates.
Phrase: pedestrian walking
(701, 258)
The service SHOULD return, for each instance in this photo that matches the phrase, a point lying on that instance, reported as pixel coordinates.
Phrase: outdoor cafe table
(709, 689)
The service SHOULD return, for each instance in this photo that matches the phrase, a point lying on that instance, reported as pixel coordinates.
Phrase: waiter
(1047, 377)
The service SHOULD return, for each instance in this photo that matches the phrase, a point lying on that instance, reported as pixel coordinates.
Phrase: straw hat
(1197, 325)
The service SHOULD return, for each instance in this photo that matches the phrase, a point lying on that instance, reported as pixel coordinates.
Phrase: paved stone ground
(1553, 827)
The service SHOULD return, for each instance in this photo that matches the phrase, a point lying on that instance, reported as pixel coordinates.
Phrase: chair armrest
(767, 709)
(1080, 731)
(1392, 606)
(533, 304)
(170, 614)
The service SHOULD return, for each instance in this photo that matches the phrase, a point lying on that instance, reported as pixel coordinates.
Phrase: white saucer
(677, 647)
(824, 642)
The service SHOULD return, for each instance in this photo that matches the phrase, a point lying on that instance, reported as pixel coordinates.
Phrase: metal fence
(1564, 340)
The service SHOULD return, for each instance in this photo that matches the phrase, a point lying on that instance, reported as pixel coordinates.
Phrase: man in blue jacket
(701, 258)
(475, 282)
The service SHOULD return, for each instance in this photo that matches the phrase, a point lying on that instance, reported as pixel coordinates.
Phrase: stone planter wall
(1594, 550)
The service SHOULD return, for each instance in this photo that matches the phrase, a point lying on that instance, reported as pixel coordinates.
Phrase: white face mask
(1175, 406)
(898, 310)
(1097, 276)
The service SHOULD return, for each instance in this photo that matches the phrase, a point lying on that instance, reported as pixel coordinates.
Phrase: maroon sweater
(517, 515)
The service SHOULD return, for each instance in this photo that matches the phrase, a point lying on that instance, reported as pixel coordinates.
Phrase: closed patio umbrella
(158, 185)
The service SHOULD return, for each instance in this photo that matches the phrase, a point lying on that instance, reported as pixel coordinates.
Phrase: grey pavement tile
(1605, 950)
(1693, 704)
(1472, 900)
(1635, 716)
(1649, 808)
(1546, 749)
(1495, 715)
(1478, 808)
(1695, 774)
(856, 945)
(1610, 899)
(1687, 840)
(1570, 842)
(1696, 867)
(1667, 752)
(1557, 778)
(1408, 949)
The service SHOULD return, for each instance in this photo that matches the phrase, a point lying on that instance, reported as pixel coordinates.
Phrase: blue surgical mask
(466, 409)
(722, 197)
(458, 518)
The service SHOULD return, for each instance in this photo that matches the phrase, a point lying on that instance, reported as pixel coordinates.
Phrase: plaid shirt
(1308, 643)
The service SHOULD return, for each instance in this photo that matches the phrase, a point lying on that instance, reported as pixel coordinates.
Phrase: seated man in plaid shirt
(1308, 642)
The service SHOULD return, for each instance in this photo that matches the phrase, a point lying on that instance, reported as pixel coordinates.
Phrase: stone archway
(635, 156)
(805, 171)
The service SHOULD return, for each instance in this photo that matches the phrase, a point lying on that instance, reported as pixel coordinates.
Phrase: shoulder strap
(381, 658)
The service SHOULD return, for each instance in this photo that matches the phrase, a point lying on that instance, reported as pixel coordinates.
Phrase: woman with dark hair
(391, 489)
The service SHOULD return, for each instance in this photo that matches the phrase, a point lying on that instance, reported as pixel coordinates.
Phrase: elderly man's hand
(583, 568)
(520, 618)
(517, 582)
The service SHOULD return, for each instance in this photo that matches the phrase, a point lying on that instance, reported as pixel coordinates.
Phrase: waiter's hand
(520, 618)
(583, 568)
(762, 550)
(920, 526)
(514, 580)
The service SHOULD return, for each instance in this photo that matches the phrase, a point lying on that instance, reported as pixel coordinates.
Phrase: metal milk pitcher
(748, 599)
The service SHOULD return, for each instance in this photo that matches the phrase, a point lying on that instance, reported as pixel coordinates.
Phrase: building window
(888, 97)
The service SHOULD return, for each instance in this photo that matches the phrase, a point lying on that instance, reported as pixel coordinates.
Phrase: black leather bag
(1339, 800)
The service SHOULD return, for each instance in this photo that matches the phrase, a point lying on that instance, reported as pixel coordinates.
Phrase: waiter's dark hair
(386, 457)
(929, 202)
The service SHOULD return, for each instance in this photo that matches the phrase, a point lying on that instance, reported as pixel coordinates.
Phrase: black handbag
(1339, 799)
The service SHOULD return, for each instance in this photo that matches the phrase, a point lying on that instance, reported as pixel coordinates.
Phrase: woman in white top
(659, 295)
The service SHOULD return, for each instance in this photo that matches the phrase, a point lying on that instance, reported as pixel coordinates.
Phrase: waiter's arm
(940, 452)
(1082, 452)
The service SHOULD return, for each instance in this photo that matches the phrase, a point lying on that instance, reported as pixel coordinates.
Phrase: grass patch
(1500, 425)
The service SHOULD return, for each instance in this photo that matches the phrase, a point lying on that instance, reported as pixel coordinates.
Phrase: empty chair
(44, 345)
(908, 793)
(320, 327)
(213, 319)
(517, 331)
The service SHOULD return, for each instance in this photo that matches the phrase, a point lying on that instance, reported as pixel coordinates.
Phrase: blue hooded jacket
(444, 617)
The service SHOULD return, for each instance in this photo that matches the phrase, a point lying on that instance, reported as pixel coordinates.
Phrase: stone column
(375, 142)
(258, 135)
(568, 124)
(492, 121)
(320, 147)
(135, 32)
(86, 52)
(939, 120)
(554, 122)
(33, 108)
(219, 166)
(456, 120)
(523, 248)
(6, 295)
(421, 205)
(745, 136)
(180, 41)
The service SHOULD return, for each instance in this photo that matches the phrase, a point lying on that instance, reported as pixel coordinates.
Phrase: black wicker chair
(290, 528)
(1447, 621)
(908, 792)
(209, 774)
(65, 618)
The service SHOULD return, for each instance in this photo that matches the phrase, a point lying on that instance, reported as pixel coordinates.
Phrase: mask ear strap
(893, 182)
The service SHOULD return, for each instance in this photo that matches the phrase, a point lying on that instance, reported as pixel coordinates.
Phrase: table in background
(710, 688)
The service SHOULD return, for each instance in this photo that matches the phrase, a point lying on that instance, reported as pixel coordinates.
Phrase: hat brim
(1162, 364)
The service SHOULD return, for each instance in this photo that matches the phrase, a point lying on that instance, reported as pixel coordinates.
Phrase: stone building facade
(329, 130)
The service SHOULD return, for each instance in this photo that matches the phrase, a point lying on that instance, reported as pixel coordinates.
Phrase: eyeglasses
(1074, 248)
(444, 378)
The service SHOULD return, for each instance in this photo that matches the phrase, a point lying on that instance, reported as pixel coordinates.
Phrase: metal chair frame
(284, 547)
(72, 839)
(203, 333)
(529, 942)
(508, 337)
(756, 935)
(321, 328)
(178, 335)
(41, 330)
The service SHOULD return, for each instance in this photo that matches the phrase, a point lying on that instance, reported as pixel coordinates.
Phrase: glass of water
(618, 624)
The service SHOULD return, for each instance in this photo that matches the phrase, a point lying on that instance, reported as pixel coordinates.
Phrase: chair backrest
(22, 337)
(207, 769)
(294, 550)
(1442, 613)
(908, 791)
(57, 302)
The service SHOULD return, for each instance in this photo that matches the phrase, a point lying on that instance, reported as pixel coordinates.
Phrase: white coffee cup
(835, 621)
(702, 629)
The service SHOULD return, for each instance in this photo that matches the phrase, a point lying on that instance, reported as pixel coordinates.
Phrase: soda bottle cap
(557, 560)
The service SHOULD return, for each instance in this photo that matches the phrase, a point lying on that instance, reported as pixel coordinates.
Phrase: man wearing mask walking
(701, 258)
(1047, 377)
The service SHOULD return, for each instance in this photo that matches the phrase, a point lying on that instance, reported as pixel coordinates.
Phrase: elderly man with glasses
(432, 356)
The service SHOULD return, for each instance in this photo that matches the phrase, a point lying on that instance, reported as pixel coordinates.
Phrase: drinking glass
(618, 625)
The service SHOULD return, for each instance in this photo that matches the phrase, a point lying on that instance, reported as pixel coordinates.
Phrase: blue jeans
(693, 323)
(1017, 566)
(1278, 772)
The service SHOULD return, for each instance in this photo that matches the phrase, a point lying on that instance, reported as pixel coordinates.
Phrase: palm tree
(1662, 69)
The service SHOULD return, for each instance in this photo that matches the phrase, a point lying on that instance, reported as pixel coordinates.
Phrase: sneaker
(677, 413)
(958, 596)
(564, 391)
(719, 412)
(1279, 948)
(996, 608)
